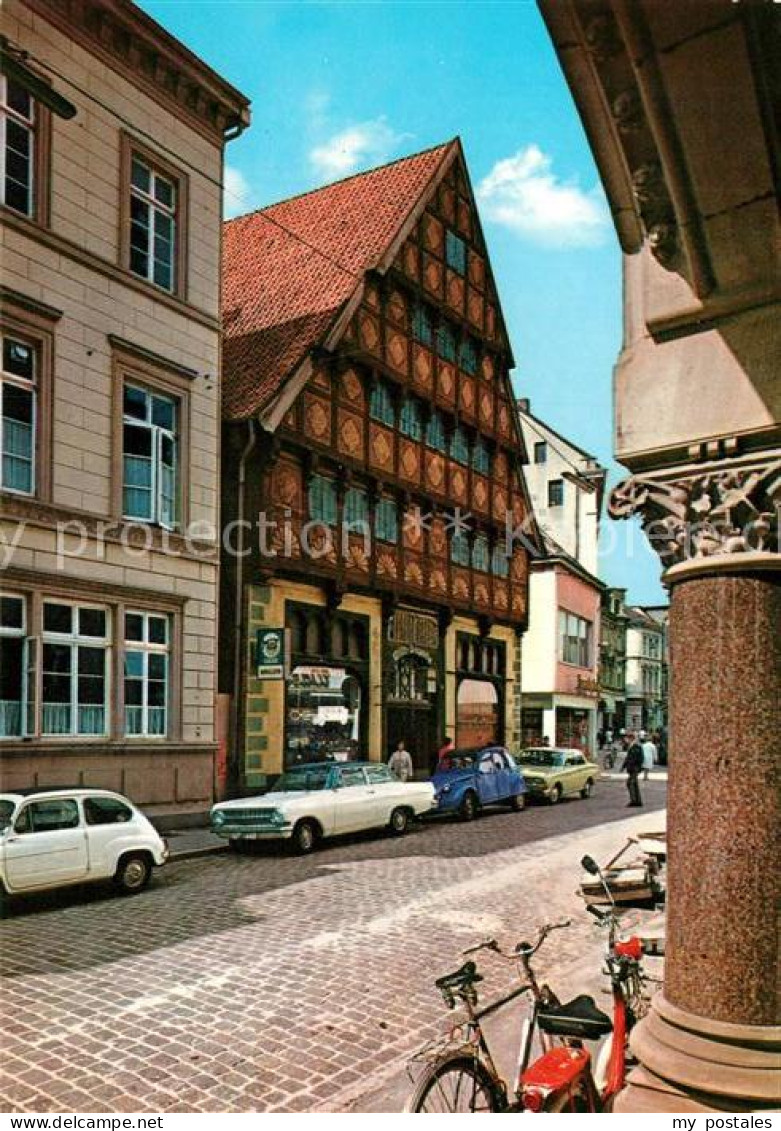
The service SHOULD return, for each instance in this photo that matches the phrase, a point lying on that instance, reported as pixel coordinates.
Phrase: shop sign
(270, 653)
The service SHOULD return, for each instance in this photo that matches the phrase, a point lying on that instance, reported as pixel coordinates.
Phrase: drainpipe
(238, 666)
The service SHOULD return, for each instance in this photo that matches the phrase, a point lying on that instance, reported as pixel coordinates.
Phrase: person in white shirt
(650, 754)
(400, 762)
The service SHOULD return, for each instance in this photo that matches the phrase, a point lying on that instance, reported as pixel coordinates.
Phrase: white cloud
(524, 194)
(237, 193)
(364, 144)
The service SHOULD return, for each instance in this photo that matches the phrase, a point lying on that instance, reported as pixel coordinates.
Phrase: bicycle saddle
(466, 975)
(577, 1018)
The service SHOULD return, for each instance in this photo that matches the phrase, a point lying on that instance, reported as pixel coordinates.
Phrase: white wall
(538, 655)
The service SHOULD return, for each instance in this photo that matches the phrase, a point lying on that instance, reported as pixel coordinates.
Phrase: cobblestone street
(269, 982)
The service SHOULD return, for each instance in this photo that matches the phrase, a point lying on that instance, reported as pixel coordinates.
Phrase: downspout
(238, 666)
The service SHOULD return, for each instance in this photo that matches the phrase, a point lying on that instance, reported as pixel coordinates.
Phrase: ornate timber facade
(387, 469)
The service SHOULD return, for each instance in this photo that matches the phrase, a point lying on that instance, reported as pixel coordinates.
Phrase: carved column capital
(719, 514)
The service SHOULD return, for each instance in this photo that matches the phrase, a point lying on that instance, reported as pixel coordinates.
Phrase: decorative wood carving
(446, 383)
(396, 350)
(409, 460)
(455, 291)
(351, 388)
(435, 472)
(423, 369)
(432, 275)
(474, 308)
(433, 234)
(369, 330)
(381, 447)
(350, 434)
(317, 418)
(480, 493)
(476, 270)
(466, 400)
(458, 482)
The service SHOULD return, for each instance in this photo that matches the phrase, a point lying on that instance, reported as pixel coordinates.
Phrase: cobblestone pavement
(269, 982)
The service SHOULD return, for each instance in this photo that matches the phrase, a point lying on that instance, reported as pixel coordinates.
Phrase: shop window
(410, 423)
(459, 445)
(322, 500)
(435, 432)
(387, 520)
(381, 404)
(423, 324)
(446, 341)
(147, 644)
(555, 492)
(481, 459)
(455, 252)
(150, 447)
(324, 705)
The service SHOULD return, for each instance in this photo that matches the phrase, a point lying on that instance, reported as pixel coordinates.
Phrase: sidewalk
(186, 843)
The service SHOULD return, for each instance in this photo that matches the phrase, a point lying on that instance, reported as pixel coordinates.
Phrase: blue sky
(340, 87)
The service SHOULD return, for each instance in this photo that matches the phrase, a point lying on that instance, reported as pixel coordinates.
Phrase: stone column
(712, 1041)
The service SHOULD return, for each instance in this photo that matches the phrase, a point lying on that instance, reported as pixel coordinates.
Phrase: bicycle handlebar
(523, 950)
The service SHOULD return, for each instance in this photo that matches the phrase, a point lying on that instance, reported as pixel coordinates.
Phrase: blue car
(467, 780)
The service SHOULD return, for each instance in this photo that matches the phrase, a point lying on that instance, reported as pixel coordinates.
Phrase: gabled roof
(290, 270)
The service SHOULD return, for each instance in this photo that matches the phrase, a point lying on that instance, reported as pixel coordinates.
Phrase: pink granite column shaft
(723, 822)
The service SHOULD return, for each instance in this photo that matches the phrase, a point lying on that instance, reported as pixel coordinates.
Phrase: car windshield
(301, 779)
(6, 813)
(549, 758)
(461, 759)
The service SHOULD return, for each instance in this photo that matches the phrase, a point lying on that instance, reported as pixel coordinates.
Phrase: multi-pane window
(446, 341)
(467, 355)
(322, 500)
(410, 423)
(356, 506)
(13, 665)
(481, 459)
(381, 404)
(555, 492)
(574, 639)
(17, 147)
(147, 648)
(540, 451)
(18, 415)
(500, 562)
(422, 324)
(435, 432)
(455, 252)
(481, 556)
(386, 520)
(152, 224)
(150, 457)
(459, 445)
(74, 663)
(459, 548)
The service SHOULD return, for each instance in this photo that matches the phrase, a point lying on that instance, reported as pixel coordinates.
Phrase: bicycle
(462, 1075)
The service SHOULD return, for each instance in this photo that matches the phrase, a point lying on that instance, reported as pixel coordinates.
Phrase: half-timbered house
(372, 469)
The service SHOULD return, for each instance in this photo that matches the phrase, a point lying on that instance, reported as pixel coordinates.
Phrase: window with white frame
(17, 147)
(18, 392)
(574, 639)
(152, 224)
(147, 651)
(150, 456)
(75, 652)
(13, 665)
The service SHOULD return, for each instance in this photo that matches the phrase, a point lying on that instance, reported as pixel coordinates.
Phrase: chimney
(524, 405)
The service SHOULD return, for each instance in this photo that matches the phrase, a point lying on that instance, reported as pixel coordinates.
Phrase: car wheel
(517, 802)
(469, 806)
(587, 790)
(399, 821)
(555, 795)
(133, 873)
(304, 837)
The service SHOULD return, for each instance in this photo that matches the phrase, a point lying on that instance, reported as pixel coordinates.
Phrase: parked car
(468, 780)
(51, 838)
(322, 799)
(556, 772)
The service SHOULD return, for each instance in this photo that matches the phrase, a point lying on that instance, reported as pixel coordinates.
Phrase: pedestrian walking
(650, 756)
(400, 762)
(633, 764)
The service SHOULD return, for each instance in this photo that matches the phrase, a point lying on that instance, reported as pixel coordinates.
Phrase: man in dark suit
(633, 764)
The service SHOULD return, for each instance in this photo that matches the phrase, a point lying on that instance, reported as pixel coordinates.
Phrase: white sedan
(323, 799)
(51, 838)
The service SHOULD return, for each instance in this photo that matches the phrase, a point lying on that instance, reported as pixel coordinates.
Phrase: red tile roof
(289, 269)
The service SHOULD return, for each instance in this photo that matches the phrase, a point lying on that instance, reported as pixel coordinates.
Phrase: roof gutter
(238, 666)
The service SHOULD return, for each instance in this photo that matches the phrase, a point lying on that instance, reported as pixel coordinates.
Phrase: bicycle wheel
(458, 1084)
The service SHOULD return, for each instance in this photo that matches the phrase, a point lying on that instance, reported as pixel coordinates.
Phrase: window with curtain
(446, 341)
(481, 557)
(422, 324)
(455, 252)
(481, 459)
(147, 648)
(500, 562)
(153, 220)
(12, 665)
(356, 507)
(410, 423)
(459, 445)
(574, 639)
(17, 144)
(322, 500)
(467, 356)
(18, 404)
(381, 404)
(150, 456)
(435, 432)
(386, 521)
(459, 548)
(74, 661)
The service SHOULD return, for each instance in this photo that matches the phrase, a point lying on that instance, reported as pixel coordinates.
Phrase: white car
(321, 799)
(51, 838)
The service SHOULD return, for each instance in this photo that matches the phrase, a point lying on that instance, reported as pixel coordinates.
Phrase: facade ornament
(709, 513)
(657, 213)
(602, 38)
(628, 111)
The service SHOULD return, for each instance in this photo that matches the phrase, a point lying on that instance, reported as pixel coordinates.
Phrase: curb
(194, 853)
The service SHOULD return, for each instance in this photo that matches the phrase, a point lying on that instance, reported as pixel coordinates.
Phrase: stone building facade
(612, 661)
(369, 426)
(113, 136)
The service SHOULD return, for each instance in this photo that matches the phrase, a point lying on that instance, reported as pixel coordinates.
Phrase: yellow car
(556, 772)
